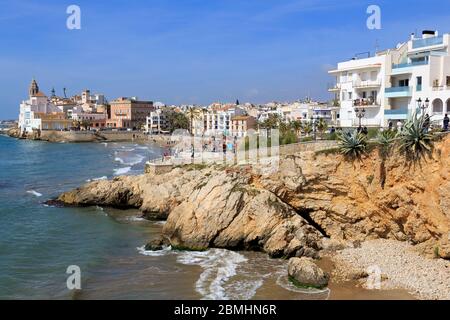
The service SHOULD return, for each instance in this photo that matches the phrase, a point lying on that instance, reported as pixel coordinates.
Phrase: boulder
(157, 244)
(303, 272)
(443, 248)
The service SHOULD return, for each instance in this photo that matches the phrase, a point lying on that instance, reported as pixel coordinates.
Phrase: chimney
(413, 35)
(426, 34)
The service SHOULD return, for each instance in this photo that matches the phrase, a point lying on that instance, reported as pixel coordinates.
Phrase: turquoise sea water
(38, 243)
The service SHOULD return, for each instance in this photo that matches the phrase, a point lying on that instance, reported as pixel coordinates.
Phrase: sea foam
(219, 267)
(121, 171)
(35, 193)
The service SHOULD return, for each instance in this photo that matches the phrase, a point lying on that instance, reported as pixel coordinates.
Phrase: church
(37, 110)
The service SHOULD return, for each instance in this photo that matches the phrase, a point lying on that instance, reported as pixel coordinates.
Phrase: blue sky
(195, 51)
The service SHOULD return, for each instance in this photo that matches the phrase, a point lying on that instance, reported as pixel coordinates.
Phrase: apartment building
(216, 120)
(157, 122)
(129, 113)
(377, 90)
(241, 124)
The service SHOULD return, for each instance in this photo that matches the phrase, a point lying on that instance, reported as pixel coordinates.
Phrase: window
(373, 76)
(403, 83)
(448, 81)
(350, 96)
(364, 95)
(419, 84)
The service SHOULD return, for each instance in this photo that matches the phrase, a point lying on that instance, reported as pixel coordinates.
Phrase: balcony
(441, 88)
(369, 102)
(334, 88)
(398, 92)
(409, 64)
(396, 114)
(367, 84)
(420, 43)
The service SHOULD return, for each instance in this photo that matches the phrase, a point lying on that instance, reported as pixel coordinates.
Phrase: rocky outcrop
(303, 272)
(289, 211)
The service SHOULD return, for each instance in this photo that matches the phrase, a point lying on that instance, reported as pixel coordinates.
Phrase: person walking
(399, 126)
(446, 121)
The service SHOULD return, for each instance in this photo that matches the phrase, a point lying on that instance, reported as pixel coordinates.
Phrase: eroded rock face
(304, 272)
(349, 202)
(290, 211)
(228, 213)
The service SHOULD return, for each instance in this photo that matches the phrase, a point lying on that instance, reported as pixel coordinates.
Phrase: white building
(217, 120)
(156, 122)
(37, 103)
(386, 87)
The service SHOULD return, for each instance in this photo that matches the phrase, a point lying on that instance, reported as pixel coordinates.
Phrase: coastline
(314, 205)
(56, 136)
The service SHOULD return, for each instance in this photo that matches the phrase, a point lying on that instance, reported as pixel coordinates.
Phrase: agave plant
(352, 144)
(386, 140)
(415, 141)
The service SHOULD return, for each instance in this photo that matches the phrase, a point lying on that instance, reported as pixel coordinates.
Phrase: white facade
(156, 122)
(216, 122)
(360, 84)
(388, 85)
(28, 108)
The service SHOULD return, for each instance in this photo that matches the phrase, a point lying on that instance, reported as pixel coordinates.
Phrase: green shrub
(352, 144)
(414, 141)
(385, 140)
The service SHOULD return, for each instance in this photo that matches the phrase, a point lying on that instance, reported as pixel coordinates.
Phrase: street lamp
(423, 106)
(360, 113)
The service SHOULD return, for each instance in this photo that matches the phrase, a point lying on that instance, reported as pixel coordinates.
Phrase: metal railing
(366, 102)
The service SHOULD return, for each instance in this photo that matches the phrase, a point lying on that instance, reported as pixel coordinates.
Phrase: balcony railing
(398, 89)
(396, 112)
(366, 84)
(368, 102)
(334, 87)
(420, 43)
(441, 88)
(409, 64)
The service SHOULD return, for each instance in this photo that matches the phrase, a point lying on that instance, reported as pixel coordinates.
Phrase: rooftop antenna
(64, 89)
(377, 46)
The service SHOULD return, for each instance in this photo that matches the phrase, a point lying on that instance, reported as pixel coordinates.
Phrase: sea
(38, 243)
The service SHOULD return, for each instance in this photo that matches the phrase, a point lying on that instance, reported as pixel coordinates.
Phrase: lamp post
(423, 106)
(360, 113)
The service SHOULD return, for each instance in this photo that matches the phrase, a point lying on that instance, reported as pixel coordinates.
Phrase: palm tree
(322, 127)
(308, 128)
(193, 114)
(297, 126)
